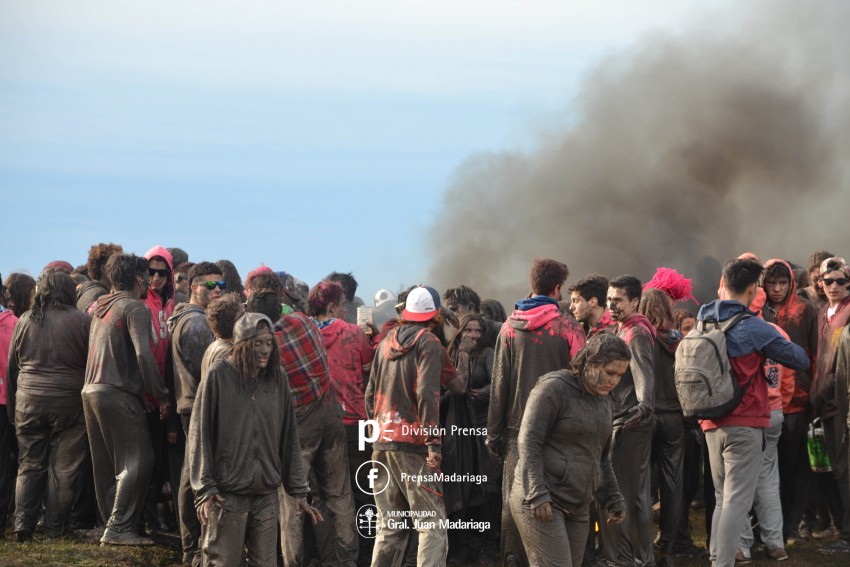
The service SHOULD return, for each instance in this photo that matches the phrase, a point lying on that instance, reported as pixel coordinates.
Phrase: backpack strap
(732, 321)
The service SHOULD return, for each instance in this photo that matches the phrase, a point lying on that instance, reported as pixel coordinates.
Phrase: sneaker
(840, 546)
(124, 538)
(823, 534)
(777, 554)
(741, 559)
(796, 537)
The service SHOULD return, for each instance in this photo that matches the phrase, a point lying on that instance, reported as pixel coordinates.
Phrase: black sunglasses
(829, 281)
(162, 273)
(212, 285)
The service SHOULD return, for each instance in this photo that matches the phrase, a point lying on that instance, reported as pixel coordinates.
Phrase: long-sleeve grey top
(243, 442)
(564, 443)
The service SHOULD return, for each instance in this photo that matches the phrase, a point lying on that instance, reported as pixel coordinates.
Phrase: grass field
(47, 553)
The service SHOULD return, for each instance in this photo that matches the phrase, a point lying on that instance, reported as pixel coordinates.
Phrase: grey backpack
(705, 381)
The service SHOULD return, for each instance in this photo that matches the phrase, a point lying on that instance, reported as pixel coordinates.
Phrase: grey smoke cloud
(731, 136)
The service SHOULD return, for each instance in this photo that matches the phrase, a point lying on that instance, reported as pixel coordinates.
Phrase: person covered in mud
(349, 285)
(564, 443)
(222, 314)
(98, 284)
(120, 369)
(634, 399)
(320, 432)
(493, 310)
(18, 294)
(403, 396)
(242, 447)
(191, 335)
(588, 306)
(8, 441)
(462, 301)
(536, 339)
(47, 365)
(465, 452)
(350, 355)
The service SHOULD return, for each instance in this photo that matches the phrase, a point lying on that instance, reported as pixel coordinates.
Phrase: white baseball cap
(422, 304)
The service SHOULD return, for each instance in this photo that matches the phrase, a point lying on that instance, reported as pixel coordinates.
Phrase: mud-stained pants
(190, 527)
(511, 540)
(325, 453)
(52, 449)
(559, 543)
(237, 522)
(122, 457)
(631, 542)
(424, 501)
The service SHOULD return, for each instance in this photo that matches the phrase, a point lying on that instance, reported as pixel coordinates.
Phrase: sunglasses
(829, 281)
(212, 285)
(162, 273)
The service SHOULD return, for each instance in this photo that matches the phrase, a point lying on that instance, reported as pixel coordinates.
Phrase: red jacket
(159, 312)
(7, 325)
(349, 351)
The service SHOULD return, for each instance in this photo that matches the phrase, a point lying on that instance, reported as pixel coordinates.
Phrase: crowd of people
(262, 420)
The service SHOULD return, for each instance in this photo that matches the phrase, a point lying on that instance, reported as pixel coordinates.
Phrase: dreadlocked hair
(601, 349)
(248, 369)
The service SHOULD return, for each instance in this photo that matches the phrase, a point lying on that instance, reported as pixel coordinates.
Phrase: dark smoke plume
(730, 137)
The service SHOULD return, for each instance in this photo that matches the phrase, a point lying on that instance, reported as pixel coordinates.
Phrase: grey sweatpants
(766, 500)
(560, 543)
(736, 459)
(122, 456)
(241, 521)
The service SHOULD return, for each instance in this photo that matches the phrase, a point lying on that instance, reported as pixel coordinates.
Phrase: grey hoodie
(120, 353)
(191, 335)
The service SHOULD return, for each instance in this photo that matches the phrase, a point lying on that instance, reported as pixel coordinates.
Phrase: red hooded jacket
(160, 312)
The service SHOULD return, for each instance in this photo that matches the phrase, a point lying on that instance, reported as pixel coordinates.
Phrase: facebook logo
(372, 478)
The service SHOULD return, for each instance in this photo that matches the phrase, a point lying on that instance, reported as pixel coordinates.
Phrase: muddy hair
(266, 281)
(601, 349)
(629, 284)
(485, 339)
(266, 302)
(463, 295)
(202, 269)
(347, 281)
(778, 271)
(222, 314)
(20, 288)
(248, 370)
(324, 294)
(591, 286)
(655, 306)
(55, 290)
(99, 255)
(546, 274)
(738, 275)
(493, 310)
(122, 269)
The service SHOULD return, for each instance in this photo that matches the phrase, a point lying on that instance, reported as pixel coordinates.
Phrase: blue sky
(312, 136)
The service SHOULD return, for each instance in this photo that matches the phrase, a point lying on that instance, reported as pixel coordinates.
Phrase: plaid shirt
(303, 357)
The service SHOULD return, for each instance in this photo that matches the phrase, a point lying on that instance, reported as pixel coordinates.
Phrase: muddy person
(120, 369)
(242, 446)
(534, 341)
(403, 396)
(47, 365)
(564, 462)
(191, 335)
(630, 542)
(98, 284)
(588, 306)
(320, 433)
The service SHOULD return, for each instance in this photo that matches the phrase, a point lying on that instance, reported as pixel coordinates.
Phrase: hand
(370, 329)
(172, 438)
(467, 344)
(302, 507)
(204, 508)
(616, 517)
(635, 417)
(434, 460)
(543, 512)
(149, 405)
(494, 449)
(474, 393)
(450, 317)
(164, 410)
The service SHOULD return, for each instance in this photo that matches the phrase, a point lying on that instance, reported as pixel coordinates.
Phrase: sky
(309, 136)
